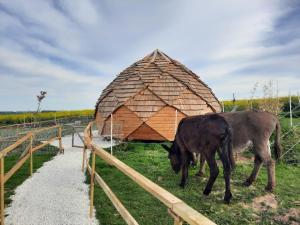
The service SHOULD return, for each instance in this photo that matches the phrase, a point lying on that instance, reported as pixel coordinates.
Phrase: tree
(40, 97)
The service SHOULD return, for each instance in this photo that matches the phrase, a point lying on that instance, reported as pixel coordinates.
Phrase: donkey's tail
(277, 145)
(227, 151)
(230, 150)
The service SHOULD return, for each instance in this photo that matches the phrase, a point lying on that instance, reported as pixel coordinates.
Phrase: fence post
(2, 189)
(91, 133)
(59, 139)
(73, 132)
(178, 222)
(176, 122)
(92, 184)
(83, 157)
(177, 219)
(30, 152)
(291, 112)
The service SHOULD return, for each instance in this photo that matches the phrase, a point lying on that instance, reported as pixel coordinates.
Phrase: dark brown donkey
(253, 129)
(204, 134)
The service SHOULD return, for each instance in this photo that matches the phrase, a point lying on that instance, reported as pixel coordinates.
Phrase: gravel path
(55, 195)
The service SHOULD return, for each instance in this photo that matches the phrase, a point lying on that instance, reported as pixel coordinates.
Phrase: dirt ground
(269, 203)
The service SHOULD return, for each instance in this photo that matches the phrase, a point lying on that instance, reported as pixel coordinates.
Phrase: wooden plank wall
(161, 126)
(126, 119)
(144, 132)
(164, 122)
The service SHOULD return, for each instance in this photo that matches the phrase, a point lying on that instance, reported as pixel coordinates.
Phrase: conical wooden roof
(154, 82)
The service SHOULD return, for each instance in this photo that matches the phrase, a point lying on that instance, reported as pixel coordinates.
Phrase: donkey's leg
(214, 171)
(256, 168)
(264, 153)
(202, 166)
(185, 173)
(227, 174)
(270, 164)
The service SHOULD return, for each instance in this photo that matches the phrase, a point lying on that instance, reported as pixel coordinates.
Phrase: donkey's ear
(166, 147)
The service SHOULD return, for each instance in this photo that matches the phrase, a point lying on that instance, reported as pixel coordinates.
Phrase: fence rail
(4, 177)
(178, 209)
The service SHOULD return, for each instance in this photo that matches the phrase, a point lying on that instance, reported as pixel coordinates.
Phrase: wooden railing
(4, 177)
(178, 209)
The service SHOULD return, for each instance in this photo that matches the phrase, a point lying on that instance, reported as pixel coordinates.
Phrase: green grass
(39, 158)
(28, 117)
(151, 161)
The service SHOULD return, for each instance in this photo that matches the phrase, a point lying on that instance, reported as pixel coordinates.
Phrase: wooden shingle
(150, 85)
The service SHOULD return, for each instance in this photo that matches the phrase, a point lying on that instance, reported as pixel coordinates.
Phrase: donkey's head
(174, 156)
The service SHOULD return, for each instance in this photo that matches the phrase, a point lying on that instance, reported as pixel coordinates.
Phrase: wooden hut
(148, 99)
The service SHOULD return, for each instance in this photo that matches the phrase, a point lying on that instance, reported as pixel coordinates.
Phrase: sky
(73, 48)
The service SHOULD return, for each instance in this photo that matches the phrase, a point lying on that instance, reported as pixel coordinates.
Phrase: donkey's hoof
(227, 198)
(269, 188)
(206, 191)
(182, 185)
(247, 183)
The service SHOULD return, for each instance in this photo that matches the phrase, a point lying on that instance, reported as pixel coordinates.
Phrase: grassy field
(151, 160)
(29, 117)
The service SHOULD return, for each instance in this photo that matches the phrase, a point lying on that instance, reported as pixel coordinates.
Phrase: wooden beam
(44, 144)
(164, 196)
(16, 144)
(177, 219)
(87, 138)
(180, 208)
(190, 215)
(115, 201)
(92, 185)
(59, 140)
(83, 158)
(31, 160)
(16, 167)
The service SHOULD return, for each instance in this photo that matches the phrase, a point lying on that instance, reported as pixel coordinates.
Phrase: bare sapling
(253, 91)
(270, 101)
(40, 98)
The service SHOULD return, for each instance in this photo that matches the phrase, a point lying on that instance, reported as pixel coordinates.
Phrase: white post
(291, 113)
(176, 121)
(223, 110)
(111, 134)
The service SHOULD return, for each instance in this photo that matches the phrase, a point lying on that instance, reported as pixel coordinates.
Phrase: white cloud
(75, 48)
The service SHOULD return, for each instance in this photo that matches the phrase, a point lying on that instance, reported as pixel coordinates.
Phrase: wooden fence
(4, 177)
(179, 210)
